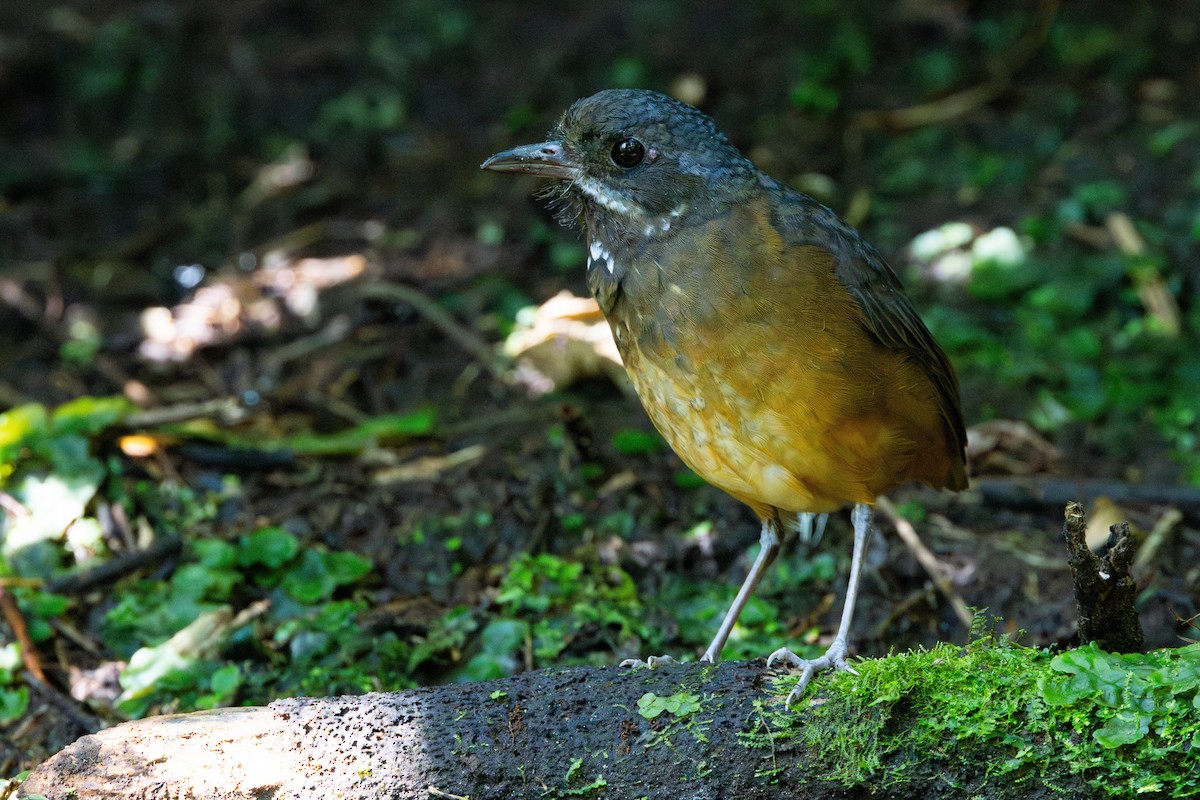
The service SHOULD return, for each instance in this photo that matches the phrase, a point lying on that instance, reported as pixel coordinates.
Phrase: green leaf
(448, 633)
(71, 457)
(272, 547)
(1187, 670)
(486, 667)
(87, 416)
(815, 96)
(627, 71)
(13, 704)
(1092, 672)
(199, 582)
(1126, 727)
(226, 680)
(18, 428)
(318, 574)
(503, 636)
(686, 479)
(347, 567)
(682, 704)
(384, 429)
(215, 553)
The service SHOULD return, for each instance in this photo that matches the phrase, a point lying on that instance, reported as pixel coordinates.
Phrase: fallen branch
(1040, 493)
(16, 622)
(684, 730)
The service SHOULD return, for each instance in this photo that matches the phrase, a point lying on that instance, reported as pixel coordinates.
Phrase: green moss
(1124, 724)
(674, 715)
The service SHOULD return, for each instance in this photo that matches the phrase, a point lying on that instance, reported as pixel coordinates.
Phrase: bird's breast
(752, 360)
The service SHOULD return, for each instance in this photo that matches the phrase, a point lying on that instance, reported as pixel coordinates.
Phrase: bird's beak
(547, 159)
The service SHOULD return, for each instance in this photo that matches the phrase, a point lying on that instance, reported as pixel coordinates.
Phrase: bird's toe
(834, 659)
(652, 662)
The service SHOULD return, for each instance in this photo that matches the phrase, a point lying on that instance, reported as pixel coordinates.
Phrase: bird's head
(633, 163)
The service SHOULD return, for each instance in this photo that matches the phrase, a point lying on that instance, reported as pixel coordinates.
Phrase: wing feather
(888, 314)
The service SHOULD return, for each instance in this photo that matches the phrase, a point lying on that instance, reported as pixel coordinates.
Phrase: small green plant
(673, 714)
(546, 609)
(174, 632)
(572, 775)
(697, 607)
(1122, 724)
(47, 465)
(682, 704)
(550, 605)
(1142, 709)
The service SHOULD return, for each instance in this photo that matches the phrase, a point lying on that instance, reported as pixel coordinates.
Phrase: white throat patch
(598, 255)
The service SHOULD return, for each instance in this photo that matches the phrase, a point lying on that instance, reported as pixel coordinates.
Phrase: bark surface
(572, 732)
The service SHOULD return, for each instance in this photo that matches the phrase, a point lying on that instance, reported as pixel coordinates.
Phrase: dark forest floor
(209, 204)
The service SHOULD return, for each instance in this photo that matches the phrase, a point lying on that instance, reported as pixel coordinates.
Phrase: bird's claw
(834, 658)
(652, 662)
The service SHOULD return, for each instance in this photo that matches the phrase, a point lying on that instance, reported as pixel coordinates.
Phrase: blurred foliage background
(141, 138)
(1032, 169)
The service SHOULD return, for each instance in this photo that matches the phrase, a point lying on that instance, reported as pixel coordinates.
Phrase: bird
(772, 347)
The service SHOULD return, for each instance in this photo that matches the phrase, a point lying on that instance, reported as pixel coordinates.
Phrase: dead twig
(958, 103)
(338, 329)
(108, 572)
(932, 566)
(225, 409)
(16, 621)
(12, 580)
(12, 505)
(428, 308)
(431, 466)
(63, 703)
(1152, 290)
(436, 792)
(1167, 523)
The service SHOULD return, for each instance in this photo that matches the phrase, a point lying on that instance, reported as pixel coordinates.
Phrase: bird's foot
(653, 662)
(834, 658)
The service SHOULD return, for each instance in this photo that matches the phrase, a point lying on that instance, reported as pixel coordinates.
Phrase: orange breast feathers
(771, 388)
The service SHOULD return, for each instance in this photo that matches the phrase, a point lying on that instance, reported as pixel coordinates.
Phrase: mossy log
(569, 732)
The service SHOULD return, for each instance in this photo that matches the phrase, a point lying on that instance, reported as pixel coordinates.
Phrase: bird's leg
(768, 548)
(835, 656)
(811, 527)
(768, 541)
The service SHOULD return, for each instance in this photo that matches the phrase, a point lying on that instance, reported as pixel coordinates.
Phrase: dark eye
(628, 153)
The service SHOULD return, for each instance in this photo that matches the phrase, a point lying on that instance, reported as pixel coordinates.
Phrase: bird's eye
(628, 153)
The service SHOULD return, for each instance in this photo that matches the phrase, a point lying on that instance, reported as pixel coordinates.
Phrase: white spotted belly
(724, 427)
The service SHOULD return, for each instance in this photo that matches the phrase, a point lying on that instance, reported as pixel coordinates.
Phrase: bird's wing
(888, 313)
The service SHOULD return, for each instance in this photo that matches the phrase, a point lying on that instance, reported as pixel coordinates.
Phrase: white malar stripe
(595, 190)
